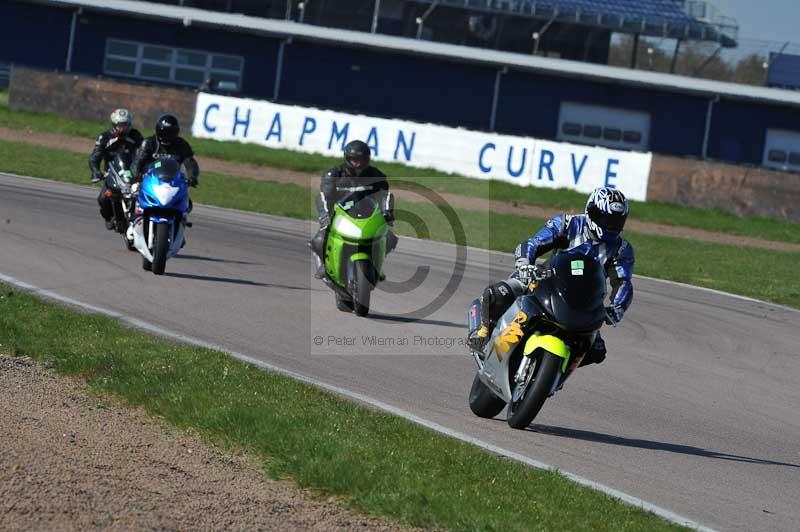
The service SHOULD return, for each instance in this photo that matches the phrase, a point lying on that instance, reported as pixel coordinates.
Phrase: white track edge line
(431, 425)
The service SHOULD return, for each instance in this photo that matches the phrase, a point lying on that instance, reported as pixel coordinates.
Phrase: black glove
(614, 315)
(192, 181)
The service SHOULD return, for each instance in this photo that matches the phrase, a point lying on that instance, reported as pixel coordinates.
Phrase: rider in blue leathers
(596, 232)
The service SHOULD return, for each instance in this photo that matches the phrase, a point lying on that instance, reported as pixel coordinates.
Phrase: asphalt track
(694, 410)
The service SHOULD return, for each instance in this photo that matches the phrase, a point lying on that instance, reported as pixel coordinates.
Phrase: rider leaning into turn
(353, 175)
(597, 232)
(120, 137)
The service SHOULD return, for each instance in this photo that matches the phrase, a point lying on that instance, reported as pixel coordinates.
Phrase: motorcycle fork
(573, 365)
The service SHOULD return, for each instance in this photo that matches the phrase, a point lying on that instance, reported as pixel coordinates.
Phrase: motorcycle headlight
(345, 227)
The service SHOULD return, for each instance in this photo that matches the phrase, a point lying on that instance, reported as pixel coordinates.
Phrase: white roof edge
(559, 67)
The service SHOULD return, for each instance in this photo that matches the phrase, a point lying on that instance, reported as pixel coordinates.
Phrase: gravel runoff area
(265, 173)
(72, 461)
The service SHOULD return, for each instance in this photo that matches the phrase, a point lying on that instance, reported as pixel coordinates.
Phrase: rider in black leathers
(354, 175)
(120, 137)
(166, 143)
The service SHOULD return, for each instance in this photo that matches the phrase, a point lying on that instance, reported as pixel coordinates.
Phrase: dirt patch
(69, 461)
(265, 173)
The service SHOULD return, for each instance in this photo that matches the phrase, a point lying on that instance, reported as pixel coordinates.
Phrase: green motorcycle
(355, 251)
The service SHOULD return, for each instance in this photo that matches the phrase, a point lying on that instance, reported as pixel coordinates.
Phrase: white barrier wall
(519, 160)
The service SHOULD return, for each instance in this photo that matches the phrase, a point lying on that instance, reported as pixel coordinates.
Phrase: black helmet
(167, 129)
(356, 156)
(607, 209)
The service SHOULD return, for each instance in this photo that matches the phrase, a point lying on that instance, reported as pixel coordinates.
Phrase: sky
(770, 20)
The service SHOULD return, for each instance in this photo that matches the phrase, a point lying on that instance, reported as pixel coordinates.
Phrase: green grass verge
(376, 462)
(708, 219)
(729, 268)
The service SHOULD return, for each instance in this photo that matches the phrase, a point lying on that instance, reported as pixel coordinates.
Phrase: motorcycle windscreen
(166, 169)
(579, 289)
(358, 205)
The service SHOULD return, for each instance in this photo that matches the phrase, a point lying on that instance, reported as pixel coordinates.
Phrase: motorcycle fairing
(354, 238)
(549, 343)
(162, 201)
(496, 362)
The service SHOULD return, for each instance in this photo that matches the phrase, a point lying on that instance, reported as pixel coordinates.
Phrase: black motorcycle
(118, 189)
(541, 339)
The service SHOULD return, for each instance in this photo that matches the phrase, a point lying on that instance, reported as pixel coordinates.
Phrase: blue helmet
(607, 209)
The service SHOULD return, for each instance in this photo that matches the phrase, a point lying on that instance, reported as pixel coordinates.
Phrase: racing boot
(477, 340)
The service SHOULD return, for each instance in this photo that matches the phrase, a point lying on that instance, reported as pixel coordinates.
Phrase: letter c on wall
(488, 146)
(208, 127)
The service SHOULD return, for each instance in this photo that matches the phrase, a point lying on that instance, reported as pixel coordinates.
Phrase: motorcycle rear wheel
(520, 413)
(482, 401)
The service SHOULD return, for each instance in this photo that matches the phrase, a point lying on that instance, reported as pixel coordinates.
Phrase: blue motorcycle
(163, 201)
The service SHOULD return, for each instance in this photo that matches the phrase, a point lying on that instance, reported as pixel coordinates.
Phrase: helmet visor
(608, 222)
(359, 162)
(121, 129)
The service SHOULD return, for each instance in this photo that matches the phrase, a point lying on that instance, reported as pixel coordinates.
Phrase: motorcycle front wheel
(160, 248)
(362, 288)
(522, 411)
(482, 401)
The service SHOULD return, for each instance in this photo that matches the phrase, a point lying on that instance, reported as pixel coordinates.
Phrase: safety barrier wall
(519, 160)
(89, 98)
(741, 189)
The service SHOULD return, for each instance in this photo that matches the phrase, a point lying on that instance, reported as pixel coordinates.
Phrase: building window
(612, 134)
(777, 156)
(632, 137)
(572, 129)
(592, 131)
(604, 126)
(782, 150)
(173, 65)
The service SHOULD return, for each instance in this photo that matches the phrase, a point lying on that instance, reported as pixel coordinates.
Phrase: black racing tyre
(521, 413)
(482, 401)
(362, 288)
(343, 304)
(160, 248)
(120, 223)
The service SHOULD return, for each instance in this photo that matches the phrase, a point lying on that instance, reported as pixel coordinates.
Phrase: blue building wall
(738, 131)
(411, 87)
(385, 84)
(34, 35)
(530, 103)
(260, 53)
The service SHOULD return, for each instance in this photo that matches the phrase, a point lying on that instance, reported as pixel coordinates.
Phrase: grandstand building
(571, 29)
(433, 78)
